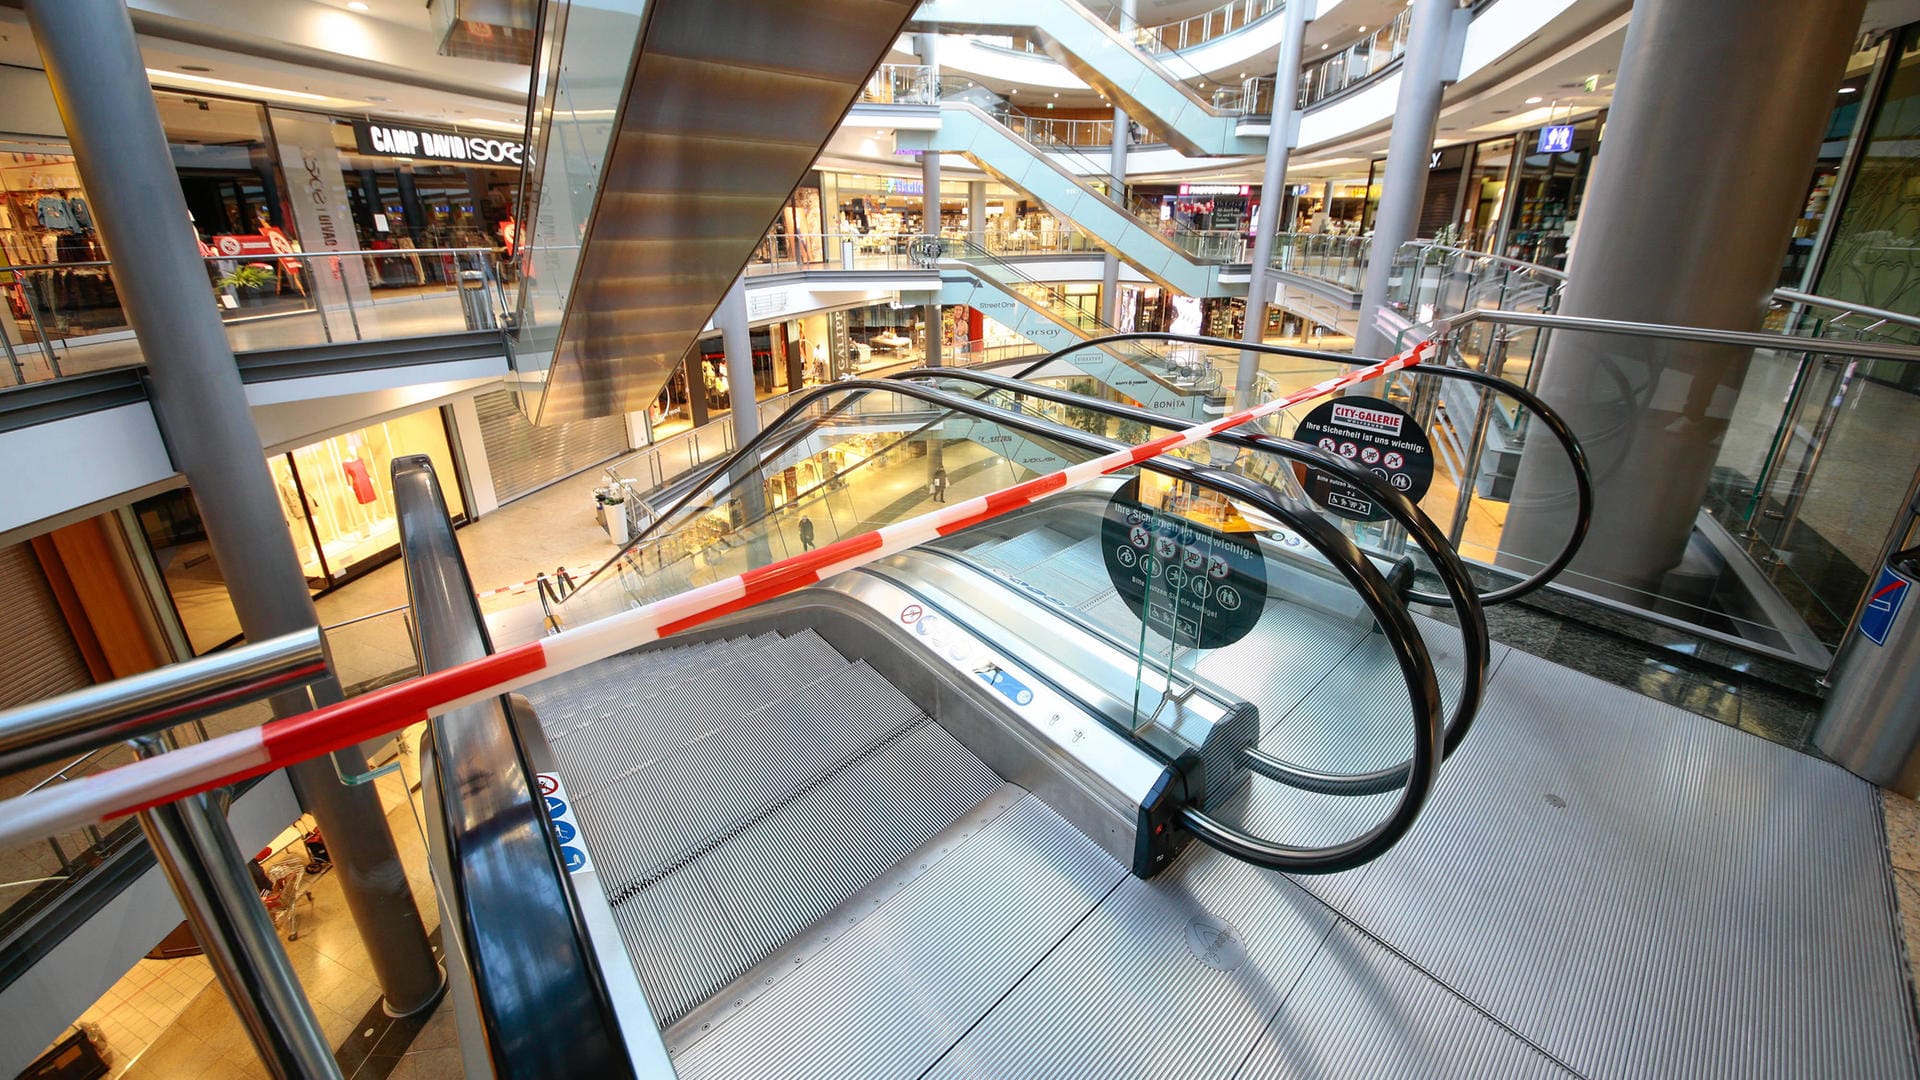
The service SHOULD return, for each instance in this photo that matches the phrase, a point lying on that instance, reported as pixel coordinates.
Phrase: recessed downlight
(355, 5)
(195, 67)
(1535, 100)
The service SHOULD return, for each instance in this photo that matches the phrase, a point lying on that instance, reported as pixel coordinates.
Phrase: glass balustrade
(67, 318)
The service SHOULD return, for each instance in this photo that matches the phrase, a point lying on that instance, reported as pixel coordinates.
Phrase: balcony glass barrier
(902, 84)
(1323, 77)
(1192, 31)
(373, 650)
(1802, 493)
(66, 318)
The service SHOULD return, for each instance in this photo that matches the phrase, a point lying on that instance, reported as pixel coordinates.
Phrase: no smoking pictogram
(549, 783)
(911, 614)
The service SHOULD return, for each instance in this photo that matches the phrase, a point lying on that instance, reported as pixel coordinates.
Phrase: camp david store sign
(401, 140)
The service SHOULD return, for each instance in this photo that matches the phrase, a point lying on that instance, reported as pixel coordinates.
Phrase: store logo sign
(395, 140)
(1557, 139)
(1375, 420)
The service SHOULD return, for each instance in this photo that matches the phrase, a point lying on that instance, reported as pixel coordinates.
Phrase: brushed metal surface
(894, 992)
(1175, 975)
(727, 106)
(1644, 892)
(1361, 1012)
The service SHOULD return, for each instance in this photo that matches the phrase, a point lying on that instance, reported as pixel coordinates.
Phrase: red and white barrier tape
(278, 743)
(579, 573)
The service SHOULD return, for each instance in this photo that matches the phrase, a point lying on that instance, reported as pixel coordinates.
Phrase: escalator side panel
(894, 991)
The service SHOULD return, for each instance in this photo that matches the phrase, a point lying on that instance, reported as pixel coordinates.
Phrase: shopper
(806, 534)
(939, 486)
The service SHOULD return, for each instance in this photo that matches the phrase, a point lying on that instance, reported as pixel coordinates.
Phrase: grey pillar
(1273, 187)
(1117, 171)
(1403, 185)
(977, 213)
(94, 66)
(196, 851)
(1758, 80)
(738, 343)
(928, 46)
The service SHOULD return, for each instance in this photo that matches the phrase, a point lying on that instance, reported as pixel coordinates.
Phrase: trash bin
(846, 254)
(1871, 721)
(473, 300)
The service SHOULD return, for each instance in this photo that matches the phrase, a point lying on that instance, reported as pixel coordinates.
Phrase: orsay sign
(399, 140)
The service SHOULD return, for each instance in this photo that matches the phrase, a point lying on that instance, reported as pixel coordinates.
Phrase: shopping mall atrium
(960, 538)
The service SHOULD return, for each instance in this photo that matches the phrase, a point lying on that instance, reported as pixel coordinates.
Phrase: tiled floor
(1903, 851)
(169, 1018)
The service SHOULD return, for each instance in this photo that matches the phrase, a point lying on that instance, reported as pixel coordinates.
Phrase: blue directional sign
(1883, 605)
(1557, 139)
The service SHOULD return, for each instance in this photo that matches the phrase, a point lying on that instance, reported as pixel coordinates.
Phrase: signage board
(382, 139)
(1188, 581)
(566, 828)
(1216, 189)
(1376, 435)
(1884, 601)
(1557, 139)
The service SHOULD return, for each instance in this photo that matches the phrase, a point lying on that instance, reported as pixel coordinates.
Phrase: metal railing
(71, 321)
(1194, 30)
(1326, 76)
(1788, 487)
(902, 84)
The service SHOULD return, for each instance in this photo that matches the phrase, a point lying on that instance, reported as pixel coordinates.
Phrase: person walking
(939, 485)
(806, 534)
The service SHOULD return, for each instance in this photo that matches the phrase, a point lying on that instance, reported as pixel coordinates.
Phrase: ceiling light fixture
(1849, 89)
(355, 5)
(1535, 100)
(1325, 45)
(264, 91)
(1049, 104)
(1362, 30)
(195, 67)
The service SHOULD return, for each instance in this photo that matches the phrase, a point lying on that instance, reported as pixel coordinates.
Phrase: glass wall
(336, 498)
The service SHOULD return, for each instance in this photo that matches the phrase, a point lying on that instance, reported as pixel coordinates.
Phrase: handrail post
(195, 848)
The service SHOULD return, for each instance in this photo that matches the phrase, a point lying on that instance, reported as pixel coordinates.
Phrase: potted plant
(248, 283)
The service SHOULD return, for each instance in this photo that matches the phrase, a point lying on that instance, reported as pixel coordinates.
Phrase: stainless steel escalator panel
(891, 993)
(725, 109)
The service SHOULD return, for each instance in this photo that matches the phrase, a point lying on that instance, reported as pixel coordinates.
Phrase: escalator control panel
(1154, 789)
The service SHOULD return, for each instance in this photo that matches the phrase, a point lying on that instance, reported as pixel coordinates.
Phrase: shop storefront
(1517, 195)
(336, 498)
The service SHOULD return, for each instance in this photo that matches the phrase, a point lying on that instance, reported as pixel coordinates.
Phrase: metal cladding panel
(525, 457)
(726, 108)
(895, 991)
(41, 657)
(1645, 892)
(1362, 1013)
(1174, 976)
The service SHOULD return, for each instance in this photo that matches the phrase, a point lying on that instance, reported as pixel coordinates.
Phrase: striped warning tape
(577, 573)
(276, 744)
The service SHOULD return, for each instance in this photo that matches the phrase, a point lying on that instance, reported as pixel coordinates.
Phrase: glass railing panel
(588, 49)
(372, 650)
(844, 466)
(67, 318)
(902, 84)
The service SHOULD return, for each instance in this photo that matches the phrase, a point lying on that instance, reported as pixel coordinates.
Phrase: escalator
(903, 822)
(666, 137)
(1152, 87)
(1177, 379)
(1104, 216)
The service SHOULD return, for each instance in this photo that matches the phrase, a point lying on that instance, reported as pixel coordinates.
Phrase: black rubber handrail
(1415, 664)
(546, 1011)
(1556, 425)
(1476, 647)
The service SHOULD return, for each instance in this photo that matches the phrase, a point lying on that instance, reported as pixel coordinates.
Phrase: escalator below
(933, 816)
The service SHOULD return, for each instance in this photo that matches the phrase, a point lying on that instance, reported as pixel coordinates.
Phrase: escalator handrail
(1416, 665)
(1466, 603)
(545, 1011)
(1555, 423)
